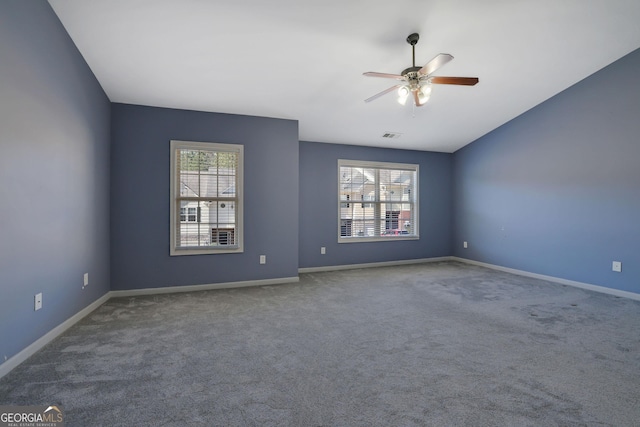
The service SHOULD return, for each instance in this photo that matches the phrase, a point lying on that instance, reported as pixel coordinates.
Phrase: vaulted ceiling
(304, 60)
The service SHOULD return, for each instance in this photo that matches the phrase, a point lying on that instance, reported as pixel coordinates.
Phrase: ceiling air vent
(391, 135)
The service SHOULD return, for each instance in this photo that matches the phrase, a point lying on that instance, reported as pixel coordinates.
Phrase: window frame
(415, 202)
(174, 203)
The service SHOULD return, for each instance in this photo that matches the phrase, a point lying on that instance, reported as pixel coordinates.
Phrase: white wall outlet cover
(464, 245)
(86, 279)
(38, 301)
(617, 266)
(323, 250)
(263, 259)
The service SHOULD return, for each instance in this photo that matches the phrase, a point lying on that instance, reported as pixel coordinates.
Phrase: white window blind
(206, 198)
(377, 201)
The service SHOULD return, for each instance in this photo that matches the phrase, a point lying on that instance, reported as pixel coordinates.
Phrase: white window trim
(175, 214)
(416, 202)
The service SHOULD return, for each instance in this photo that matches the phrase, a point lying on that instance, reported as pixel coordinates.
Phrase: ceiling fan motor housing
(410, 70)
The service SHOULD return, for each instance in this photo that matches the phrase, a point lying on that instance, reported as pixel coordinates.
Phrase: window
(377, 201)
(206, 198)
(188, 214)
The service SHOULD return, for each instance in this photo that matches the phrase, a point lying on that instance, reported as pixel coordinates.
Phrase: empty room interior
(360, 213)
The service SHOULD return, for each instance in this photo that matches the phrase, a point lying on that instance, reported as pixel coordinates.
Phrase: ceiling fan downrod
(412, 39)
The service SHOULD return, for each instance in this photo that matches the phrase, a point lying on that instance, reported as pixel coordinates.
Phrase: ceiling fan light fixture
(424, 93)
(403, 94)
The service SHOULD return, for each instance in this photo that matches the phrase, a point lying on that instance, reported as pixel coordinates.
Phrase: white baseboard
(23, 355)
(372, 264)
(581, 285)
(206, 287)
(29, 351)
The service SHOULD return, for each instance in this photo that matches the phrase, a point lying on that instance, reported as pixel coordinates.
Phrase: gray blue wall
(557, 190)
(319, 206)
(140, 197)
(54, 174)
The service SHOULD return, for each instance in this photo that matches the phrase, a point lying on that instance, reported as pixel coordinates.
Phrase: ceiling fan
(417, 81)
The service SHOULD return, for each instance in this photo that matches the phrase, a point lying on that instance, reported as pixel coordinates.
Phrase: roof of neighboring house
(207, 183)
(361, 177)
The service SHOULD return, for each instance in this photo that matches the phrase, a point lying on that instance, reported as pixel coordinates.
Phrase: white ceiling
(304, 60)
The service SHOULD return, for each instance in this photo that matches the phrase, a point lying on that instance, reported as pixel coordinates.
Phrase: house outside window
(377, 201)
(206, 198)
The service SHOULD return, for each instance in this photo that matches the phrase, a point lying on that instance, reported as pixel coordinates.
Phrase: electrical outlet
(263, 259)
(85, 280)
(37, 303)
(323, 250)
(616, 266)
(464, 245)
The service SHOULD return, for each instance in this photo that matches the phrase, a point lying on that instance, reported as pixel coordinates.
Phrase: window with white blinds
(206, 198)
(377, 201)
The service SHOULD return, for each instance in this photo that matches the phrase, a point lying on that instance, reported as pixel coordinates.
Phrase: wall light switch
(464, 245)
(617, 266)
(263, 259)
(86, 279)
(38, 302)
(323, 250)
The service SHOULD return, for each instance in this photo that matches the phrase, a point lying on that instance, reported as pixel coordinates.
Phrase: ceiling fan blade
(435, 63)
(385, 75)
(384, 92)
(465, 81)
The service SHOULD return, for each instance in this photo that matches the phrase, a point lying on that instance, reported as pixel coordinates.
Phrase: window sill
(201, 251)
(377, 239)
